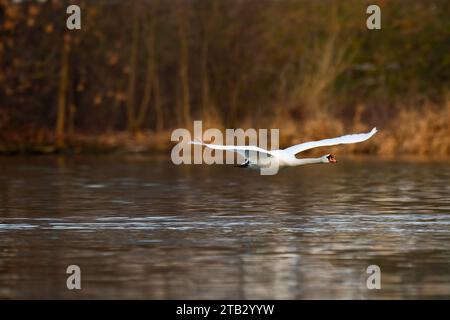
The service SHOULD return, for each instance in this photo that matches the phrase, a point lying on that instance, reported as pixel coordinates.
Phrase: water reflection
(143, 228)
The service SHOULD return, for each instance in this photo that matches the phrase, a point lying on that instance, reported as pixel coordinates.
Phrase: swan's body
(287, 157)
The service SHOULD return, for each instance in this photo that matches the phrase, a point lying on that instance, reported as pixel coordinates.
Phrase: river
(142, 228)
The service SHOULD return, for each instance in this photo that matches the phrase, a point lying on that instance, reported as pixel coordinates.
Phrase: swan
(287, 157)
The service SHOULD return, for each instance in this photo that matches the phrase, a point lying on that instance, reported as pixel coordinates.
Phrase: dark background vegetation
(138, 69)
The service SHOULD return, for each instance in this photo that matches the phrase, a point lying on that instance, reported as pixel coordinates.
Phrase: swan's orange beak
(331, 159)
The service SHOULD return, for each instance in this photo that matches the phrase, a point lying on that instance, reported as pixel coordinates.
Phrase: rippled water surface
(143, 228)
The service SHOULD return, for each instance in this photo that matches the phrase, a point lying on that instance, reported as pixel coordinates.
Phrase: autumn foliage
(138, 69)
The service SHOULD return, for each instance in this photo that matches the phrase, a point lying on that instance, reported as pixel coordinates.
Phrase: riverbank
(112, 142)
(420, 132)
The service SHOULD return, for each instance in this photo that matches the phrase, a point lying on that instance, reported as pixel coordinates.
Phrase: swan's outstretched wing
(242, 150)
(350, 138)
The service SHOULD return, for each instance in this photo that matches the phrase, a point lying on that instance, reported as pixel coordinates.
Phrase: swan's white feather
(287, 157)
(240, 149)
(350, 138)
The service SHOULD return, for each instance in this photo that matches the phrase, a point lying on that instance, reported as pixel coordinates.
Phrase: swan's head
(329, 158)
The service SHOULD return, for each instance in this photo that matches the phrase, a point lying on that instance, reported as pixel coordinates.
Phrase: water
(143, 228)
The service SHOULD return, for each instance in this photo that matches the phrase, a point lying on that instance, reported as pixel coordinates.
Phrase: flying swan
(286, 157)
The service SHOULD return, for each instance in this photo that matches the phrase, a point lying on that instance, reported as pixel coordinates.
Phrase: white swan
(286, 157)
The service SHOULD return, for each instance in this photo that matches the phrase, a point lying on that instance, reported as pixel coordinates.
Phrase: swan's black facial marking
(331, 159)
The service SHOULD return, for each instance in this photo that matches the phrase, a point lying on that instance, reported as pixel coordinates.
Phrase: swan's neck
(301, 162)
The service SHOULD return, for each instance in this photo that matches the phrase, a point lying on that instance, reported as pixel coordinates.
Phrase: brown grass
(420, 132)
(423, 131)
